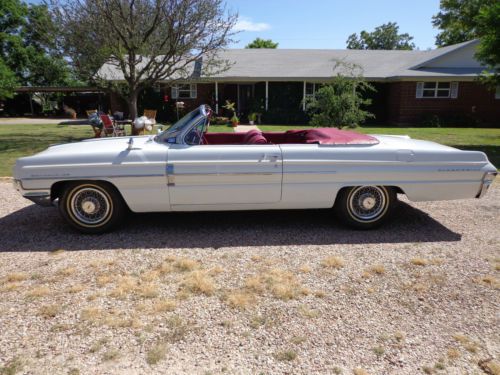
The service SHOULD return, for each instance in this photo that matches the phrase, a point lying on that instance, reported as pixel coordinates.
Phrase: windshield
(180, 125)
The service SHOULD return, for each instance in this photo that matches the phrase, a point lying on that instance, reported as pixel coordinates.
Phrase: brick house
(412, 86)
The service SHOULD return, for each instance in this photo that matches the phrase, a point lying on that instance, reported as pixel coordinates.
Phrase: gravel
(417, 296)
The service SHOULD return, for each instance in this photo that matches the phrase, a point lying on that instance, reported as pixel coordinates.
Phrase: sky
(328, 23)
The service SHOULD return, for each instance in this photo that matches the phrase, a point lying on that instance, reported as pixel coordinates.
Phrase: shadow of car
(23, 230)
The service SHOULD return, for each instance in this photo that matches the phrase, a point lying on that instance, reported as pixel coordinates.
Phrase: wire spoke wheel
(90, 205)
(367, 204)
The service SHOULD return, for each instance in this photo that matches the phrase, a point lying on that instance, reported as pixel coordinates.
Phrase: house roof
(452, 62)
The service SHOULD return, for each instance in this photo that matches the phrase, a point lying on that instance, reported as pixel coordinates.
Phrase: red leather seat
(254, 137)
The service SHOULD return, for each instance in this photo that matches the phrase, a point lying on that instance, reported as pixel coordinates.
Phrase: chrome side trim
(91, 177)
(227, 174)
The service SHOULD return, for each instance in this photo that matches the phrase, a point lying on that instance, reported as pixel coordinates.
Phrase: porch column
(31, 104)
(216, 97)
(304, 97)
(267, 95)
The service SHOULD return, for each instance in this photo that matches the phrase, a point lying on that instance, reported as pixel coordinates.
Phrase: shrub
(340, 102)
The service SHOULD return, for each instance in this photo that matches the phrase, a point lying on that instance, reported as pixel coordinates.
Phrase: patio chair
(110, 127)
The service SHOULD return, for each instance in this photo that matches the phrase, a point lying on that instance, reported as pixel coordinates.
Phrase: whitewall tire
(91, 207)
(365, 207)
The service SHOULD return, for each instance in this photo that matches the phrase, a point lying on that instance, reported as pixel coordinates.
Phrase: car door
(224, 174)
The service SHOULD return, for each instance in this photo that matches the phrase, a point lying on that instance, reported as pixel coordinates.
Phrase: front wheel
(91, 207)
(365, 207)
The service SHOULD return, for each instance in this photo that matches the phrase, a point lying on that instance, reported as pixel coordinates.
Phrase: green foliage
(252, 116)
(146, 41)
(384, 37)
(8, 81)
(230, 106)
(488, 26)
(458, 20)
(340, 102)
(262, 43)
(29, 55)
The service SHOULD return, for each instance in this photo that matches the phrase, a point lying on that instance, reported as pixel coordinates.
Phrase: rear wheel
(91, 207)
(365, 207)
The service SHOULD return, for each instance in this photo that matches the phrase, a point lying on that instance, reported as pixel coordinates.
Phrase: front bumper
(40, 197)
(488, 179)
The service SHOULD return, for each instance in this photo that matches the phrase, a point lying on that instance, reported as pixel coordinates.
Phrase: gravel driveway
(251, 293)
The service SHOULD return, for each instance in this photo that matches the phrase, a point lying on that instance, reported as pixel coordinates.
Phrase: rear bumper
(486, 182)
(40, 197)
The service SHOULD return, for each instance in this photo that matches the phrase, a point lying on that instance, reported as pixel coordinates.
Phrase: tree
(488, 52)
(339, 103)
(8, 81)
(458, 20)
(146, 40)
(383, 37)
(262, 43)
(28, 53)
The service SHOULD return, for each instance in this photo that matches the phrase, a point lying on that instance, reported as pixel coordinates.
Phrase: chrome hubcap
(366, 203)
(90, 206)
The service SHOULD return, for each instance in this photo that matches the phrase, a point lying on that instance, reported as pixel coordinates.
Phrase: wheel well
(57, 189)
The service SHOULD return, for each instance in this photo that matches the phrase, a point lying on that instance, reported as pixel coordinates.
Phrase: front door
(245, 96)
(224, 174)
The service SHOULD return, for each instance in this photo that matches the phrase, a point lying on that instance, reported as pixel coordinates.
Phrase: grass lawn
(22, 140)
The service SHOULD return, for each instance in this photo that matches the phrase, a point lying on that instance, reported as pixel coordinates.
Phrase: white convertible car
(187, 169)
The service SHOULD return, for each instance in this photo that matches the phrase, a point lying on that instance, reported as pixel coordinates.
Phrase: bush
(340, 102)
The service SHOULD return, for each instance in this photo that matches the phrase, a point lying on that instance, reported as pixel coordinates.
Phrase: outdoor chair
(111, 128)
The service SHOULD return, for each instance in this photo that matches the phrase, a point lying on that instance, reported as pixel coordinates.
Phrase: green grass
(23, 140)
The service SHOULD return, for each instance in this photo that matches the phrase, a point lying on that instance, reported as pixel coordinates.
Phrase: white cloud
(246, 24)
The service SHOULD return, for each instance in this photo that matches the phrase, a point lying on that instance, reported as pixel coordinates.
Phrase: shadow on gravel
(41, 229)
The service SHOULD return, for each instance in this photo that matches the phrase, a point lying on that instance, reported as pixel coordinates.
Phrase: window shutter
(420, 90)
(454, 90)
(175, 92)
(193, 90)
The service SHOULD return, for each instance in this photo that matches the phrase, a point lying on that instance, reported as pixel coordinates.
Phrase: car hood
(90, 150)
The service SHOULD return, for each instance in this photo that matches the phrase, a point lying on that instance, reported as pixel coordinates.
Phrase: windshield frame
(179, 130)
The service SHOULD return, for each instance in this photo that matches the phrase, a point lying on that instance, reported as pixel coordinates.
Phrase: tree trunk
(132, 109)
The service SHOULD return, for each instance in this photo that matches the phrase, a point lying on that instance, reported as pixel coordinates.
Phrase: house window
(497, 93)
(184, 91)
(312, 88)
(437, 90)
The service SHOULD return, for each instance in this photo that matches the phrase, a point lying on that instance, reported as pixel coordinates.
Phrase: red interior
(317, 135)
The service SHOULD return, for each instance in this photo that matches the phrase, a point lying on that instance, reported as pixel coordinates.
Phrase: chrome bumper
(40, 197)
(488, 179)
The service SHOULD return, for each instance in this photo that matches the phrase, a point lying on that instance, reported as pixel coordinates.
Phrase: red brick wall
(474, 101)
